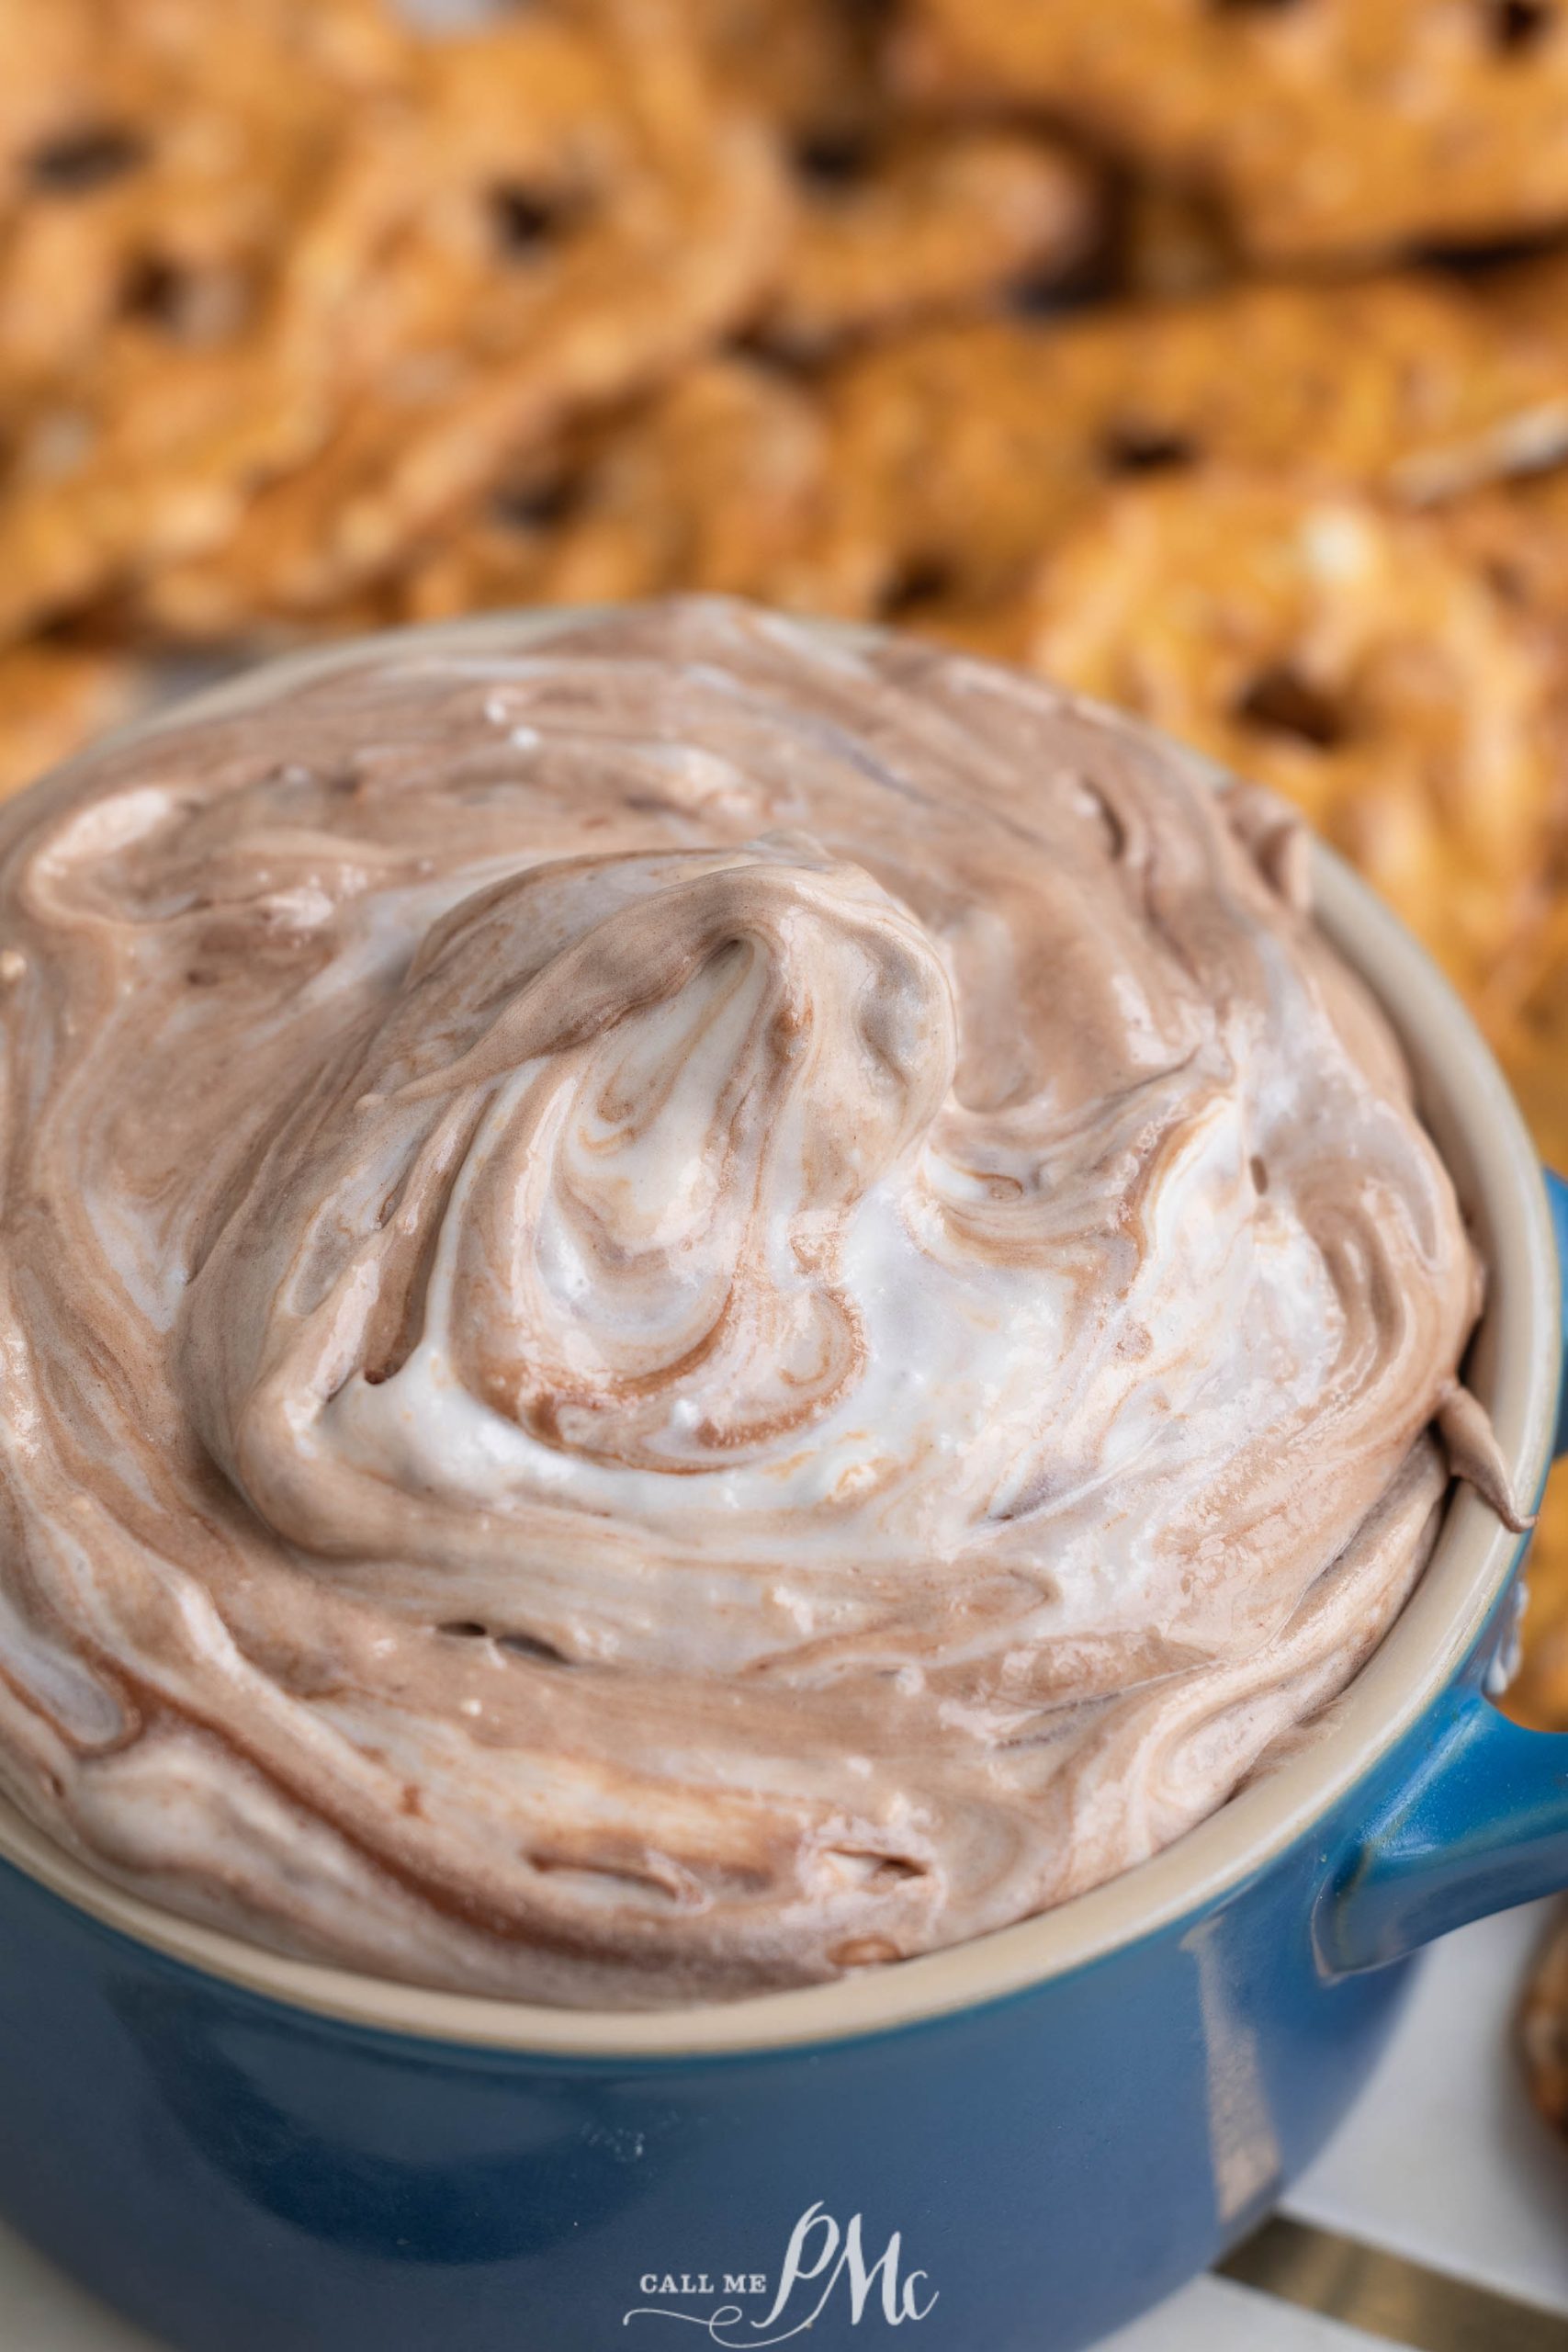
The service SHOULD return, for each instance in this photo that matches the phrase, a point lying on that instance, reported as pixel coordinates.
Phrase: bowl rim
(1516, 1365)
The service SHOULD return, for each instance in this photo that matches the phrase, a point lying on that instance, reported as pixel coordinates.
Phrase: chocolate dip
(684, 1309)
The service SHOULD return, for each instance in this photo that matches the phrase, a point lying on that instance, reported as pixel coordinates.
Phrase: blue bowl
(1009, 2148)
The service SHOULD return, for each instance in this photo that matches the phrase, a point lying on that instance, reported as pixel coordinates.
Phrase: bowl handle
(1483, 1823)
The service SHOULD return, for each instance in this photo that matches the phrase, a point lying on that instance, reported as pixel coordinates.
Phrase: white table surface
(1443, 2164)
(1445, 2161)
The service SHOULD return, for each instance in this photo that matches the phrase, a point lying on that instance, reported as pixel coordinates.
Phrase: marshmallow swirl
(685, 1306)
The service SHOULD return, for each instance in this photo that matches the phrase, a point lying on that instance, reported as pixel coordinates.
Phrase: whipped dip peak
(685, 1305)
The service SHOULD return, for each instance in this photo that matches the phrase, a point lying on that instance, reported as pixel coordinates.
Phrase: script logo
(820, 2261)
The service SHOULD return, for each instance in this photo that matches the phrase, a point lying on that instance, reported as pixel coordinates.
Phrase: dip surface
(683, 1308)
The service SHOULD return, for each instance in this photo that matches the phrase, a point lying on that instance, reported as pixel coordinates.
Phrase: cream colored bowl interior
(1514, 1368)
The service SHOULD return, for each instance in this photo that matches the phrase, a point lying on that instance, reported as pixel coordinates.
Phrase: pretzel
(960, 452)
(1543, 2026)
(1517, 532)
(1345, 654)
(815, 69)
(1170, 243)
(922, 222)
(1329, 127)
(709, 485)
(54, 698)
(578, 219)
(892, 220)
(155, 178)
(1538, 1698)
(199, 351)
(397, 300)
(715, 485)
(80, 80)
(997, 629)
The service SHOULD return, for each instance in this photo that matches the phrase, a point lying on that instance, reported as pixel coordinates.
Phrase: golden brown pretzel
(551, 213)
(1543, 2026)
(1347, 654)
(54, 698)
(960, 452)
(174, 271)
(709, 484)
(159, 159)
(1538, 1693)
(1518, 532)
(921, 221)
(1326, 127)
(892, 219)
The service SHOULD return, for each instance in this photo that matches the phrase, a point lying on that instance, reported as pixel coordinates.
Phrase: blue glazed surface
(242, 2176)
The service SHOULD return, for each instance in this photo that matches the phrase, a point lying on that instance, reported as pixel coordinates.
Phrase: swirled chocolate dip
(683, 1308)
